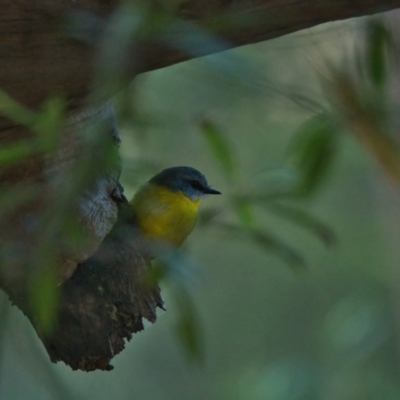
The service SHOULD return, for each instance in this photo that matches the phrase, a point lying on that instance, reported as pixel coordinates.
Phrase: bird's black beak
(209, 190)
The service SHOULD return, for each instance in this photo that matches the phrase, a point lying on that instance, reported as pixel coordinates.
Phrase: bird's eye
(196, 185)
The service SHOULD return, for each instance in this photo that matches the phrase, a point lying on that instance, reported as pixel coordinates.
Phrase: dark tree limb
(40, 57)
(104, 302)
(56, 48)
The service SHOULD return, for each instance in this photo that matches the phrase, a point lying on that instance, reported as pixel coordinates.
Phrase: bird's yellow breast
(164, 215)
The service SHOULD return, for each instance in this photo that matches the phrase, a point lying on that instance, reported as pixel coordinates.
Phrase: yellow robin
(166, 207)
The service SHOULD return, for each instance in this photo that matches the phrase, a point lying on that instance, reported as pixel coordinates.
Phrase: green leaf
(46, 125)
(244, 212)
(45, 297)
(13, 198)
(15, 111)
(313, 150)
(174, 266)
(321, 230)
(49, 123)
(4, 318)
(268, 243)
(188, 328)
(377, 40)
(157, 272)
(15, 152)
(206, 216)
(219, 147)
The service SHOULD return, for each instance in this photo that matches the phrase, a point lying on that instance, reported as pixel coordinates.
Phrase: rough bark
(61, 48)
(49, 47)
(104, 302)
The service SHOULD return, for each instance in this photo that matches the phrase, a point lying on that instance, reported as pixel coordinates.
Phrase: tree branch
(41, 57)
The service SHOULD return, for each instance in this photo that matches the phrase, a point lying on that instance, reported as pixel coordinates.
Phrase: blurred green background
(329, 332)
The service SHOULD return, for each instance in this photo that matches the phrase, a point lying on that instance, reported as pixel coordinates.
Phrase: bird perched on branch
(165, 209)
(112, 286)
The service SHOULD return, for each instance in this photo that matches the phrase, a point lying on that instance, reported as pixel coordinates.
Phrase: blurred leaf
(49, 122)
(196, 41)
(377, 41)
(15, 197)
(244, 211)
(45, 372)
(324, 233)
(4, 317)
(83, 26)
(46, 124)
(367, 126)
(312, 151)
(45, 296)
(293, 258)
(157, 272)
(174, 266)
(15, 111)
(176, 269)
(17, 151)
(219, 147)
(302, 100)
(357, 325)
(115, 49)
(208, 215)
(272, 183)
(188, 327)
(268, 243)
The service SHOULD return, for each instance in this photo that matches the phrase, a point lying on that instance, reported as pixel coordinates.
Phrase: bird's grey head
(185, 179)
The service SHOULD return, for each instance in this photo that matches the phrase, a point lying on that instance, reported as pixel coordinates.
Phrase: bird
(165, 209)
